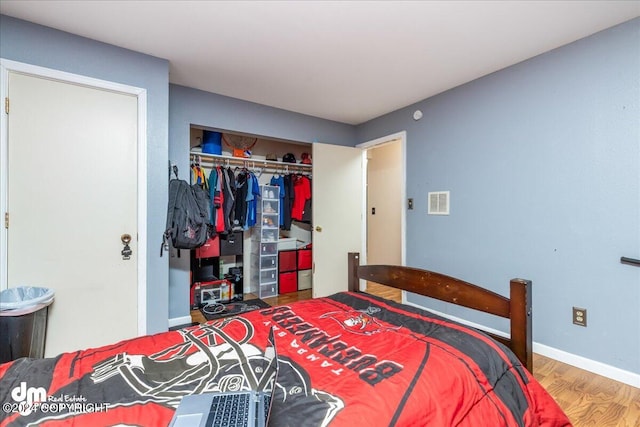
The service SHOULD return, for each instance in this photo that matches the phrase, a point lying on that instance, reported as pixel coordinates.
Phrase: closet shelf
(251, 163)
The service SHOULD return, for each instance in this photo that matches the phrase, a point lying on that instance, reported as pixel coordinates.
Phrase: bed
(349, 359)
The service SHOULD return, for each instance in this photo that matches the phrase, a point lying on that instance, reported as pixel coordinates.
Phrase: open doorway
(384, 177)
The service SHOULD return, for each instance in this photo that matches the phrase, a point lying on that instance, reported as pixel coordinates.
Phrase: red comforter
(345, 360)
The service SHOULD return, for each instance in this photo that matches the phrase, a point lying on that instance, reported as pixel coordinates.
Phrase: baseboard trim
(611, 372)
(593, 366)
(177, 321)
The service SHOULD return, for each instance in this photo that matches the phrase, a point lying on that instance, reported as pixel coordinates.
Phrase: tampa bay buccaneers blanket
(346, 360)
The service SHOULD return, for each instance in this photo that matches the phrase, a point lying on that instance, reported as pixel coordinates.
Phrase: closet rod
(251, 163)
(631, 261)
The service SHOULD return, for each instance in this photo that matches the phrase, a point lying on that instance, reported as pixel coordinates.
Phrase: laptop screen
(270, 364)
(271, 374)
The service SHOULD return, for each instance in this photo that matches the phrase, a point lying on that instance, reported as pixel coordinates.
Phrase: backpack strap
(167, 234)
(174, 190)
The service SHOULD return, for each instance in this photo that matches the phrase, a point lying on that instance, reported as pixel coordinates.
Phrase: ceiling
(348, 61)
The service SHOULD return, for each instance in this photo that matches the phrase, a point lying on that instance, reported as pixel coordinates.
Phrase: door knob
(126, 252)
(318, 228)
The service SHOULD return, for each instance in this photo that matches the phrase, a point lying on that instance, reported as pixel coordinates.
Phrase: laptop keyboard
(230, 411)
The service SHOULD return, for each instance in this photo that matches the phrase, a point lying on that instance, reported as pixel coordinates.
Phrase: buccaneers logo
(359, 321)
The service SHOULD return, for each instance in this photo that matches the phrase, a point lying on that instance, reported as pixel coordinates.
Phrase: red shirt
(302, 192)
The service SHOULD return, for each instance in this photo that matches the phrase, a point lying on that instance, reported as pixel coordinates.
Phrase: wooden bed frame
(516, 308)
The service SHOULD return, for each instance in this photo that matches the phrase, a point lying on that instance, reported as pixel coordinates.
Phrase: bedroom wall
(34, 44)
(543, 163)
(188, 107)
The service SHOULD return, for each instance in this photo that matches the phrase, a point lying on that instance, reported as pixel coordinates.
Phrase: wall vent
(438, 203)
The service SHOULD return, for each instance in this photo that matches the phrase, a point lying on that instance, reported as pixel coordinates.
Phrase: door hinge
(6, 220)
(6, 105)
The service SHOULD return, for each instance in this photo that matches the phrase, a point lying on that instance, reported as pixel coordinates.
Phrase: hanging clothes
(302, 193)
(307, 216)
(252, 201)
(287, 202)
(278, 181)
(240, 207)
(217, 199)
(198, 175)
(228, 190)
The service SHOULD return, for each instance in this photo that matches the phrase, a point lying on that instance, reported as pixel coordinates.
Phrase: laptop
(232, 409)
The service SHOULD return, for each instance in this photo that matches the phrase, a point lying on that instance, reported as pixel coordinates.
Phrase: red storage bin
(210, 249)
(305, 259)
(288, 282)
(287, 260)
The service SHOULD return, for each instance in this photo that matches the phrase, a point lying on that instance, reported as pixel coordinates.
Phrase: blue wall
(34, 44)
(543, 163)
(542, 160)
(189, 106)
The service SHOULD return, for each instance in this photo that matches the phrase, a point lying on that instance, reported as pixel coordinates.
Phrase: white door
(337, 214)
(72, 193)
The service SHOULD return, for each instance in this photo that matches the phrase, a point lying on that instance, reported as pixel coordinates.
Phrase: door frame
(402, 136)
(7, 66)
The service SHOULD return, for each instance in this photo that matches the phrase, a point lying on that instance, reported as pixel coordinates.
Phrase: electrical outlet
(579, 316)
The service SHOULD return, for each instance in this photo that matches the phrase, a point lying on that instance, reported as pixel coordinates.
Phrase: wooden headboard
(516, 308)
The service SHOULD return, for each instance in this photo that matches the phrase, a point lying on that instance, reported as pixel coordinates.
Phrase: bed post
(521, 324)
(353, 283)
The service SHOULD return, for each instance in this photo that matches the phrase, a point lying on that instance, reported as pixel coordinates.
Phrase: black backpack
(187, 216)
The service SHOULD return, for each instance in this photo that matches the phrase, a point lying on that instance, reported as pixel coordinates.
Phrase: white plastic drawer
(270, 207)
(270, 221)
(267, 290)
(270, 235)
(270, 192)
(268, 275)
(268, 262)
(268, 248)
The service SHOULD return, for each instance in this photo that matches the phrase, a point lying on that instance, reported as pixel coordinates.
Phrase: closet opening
(261, 191)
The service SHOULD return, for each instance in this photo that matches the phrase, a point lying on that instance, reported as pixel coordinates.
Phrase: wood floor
(589, 400)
